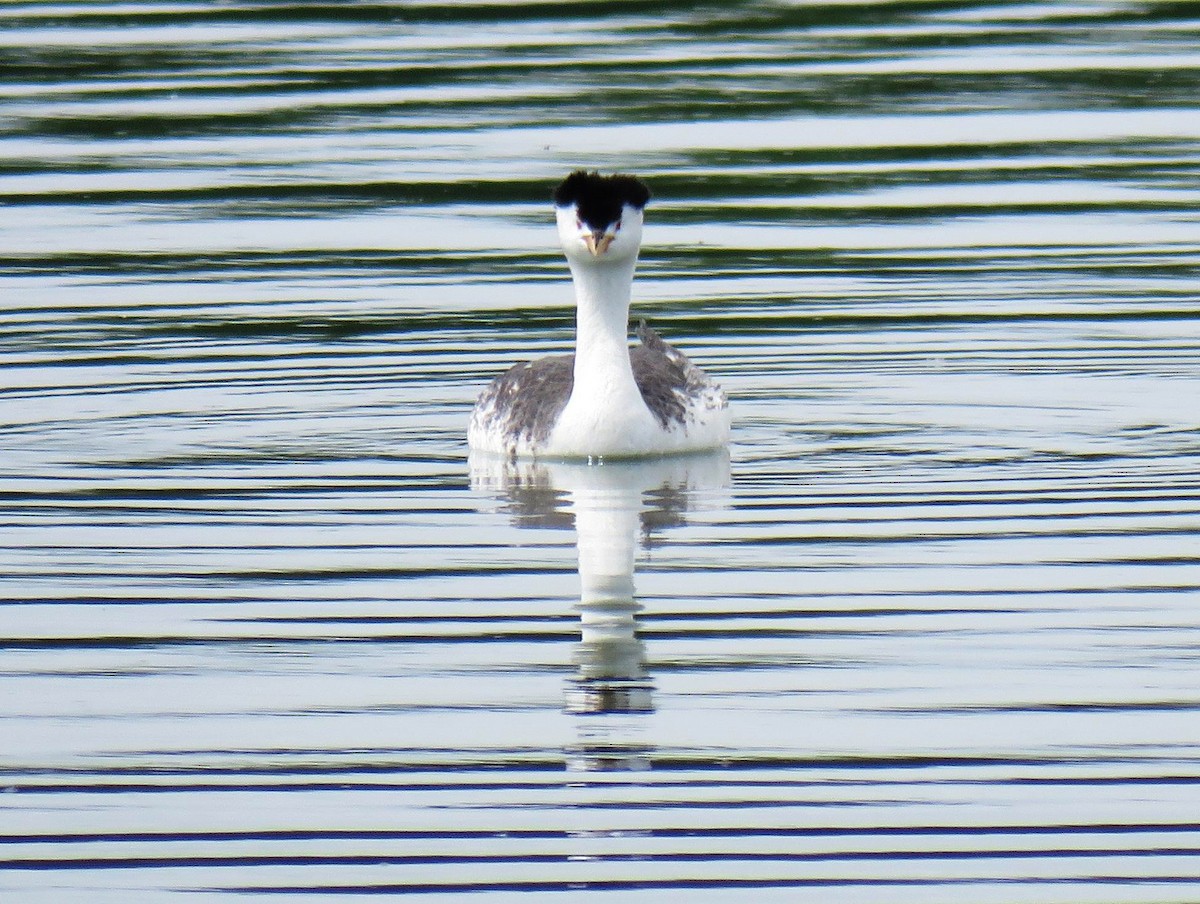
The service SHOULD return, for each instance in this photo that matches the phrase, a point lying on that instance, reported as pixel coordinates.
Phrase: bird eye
(617, 226)
(578, 223)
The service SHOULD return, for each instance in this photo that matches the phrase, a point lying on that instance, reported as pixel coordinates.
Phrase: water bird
(607, 400)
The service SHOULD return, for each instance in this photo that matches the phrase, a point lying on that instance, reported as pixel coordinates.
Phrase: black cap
(599, 199)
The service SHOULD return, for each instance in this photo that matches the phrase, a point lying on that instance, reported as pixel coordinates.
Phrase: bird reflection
(612, 505)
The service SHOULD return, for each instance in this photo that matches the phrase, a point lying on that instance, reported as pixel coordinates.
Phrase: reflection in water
(612, 504)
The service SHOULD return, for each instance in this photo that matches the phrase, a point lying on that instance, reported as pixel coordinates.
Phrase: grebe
(606, 400)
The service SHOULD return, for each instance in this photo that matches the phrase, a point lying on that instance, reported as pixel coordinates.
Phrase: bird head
(600, 217)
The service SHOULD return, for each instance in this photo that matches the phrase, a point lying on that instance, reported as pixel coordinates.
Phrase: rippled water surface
(929, 633)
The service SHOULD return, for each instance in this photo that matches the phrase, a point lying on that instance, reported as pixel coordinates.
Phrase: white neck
(605, 414)
(602, 296)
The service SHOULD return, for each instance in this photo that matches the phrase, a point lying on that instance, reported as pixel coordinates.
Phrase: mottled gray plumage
(530, 397)
(665, 377)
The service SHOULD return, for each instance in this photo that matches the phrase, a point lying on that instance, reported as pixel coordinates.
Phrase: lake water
(931, 631)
